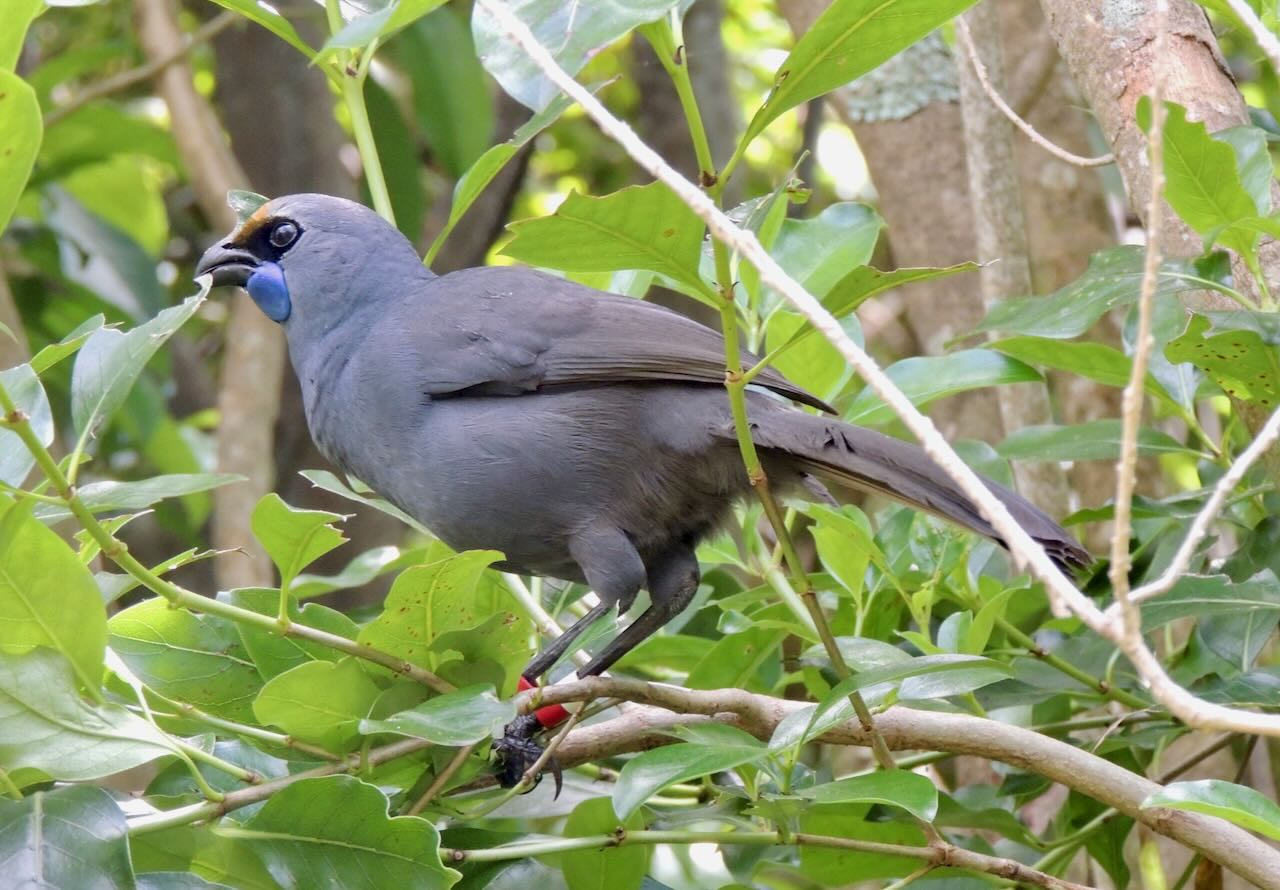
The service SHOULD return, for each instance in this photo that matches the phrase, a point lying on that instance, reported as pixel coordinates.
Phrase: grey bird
(585, 435)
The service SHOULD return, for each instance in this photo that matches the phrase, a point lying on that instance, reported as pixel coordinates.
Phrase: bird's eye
(283, 234)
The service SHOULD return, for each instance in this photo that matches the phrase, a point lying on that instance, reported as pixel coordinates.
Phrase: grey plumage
(585, 435)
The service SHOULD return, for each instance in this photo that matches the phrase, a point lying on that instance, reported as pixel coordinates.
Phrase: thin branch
(935, 856)
(1200, 525)
(1270, 45)
(971, 53)
(125, 79)
(438, 783)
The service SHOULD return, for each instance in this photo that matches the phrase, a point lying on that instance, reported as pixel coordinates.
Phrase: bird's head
(309, 256)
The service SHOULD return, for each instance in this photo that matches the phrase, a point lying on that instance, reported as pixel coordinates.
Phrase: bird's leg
(614, 570)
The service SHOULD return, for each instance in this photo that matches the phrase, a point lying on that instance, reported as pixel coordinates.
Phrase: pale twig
(125, 79)
(971, 52)
(1270, 45)
(1023, 548)
(1200, 525)
(438, 783)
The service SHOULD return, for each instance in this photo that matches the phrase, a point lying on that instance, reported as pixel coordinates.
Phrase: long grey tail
(848, 456)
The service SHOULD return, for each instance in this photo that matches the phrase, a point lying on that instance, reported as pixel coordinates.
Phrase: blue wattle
(268, 289)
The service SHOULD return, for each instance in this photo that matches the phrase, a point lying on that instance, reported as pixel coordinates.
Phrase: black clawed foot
(517, 752)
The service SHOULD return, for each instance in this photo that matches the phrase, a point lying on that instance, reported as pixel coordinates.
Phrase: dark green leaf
(1098, 440)
(639, 227)
(650, 772)
(850, 38)
(925, 379)
(46, 726)
(1245, 807)
(70, 837)
(896, 788)
(47, 597)
(336, 832)
(455, 719)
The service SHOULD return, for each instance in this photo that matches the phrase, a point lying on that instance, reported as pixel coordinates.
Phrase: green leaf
(46, 726)
(616, 868)
(28, 395)
(245, 204)
(362, 30)
(811, 362)
(336, 832)
(1239, 361)
(454, 719)
(1253, 161)
(20, 131)
(573, 33)
(832, 867)
(193, 658)
(110, 363)
(1236, 619)
(326, 481)
(48, 598)
(490, 164)
(451, 98)
(735, 658)
(648, 773)
(504, 638)
(925, 379)
(1202, 182)
(639, 227)
(273, 653)
(819, 251)
(18, 16)
(272, 21)
(50, 355)
(850, 38)
(68, 837)
(1095, 361)
(1097, 440)
(400, 156)
(360, 571)
(865, 282)
(1247, 808)
(430, 600)
(1113, 279)
(294, 538)
(895, 788)
(319, 701)
(109, 495)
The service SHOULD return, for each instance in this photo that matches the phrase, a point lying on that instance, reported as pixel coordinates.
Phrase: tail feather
(852, 457)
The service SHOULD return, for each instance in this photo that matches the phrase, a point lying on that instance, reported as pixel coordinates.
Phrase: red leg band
(551, 715)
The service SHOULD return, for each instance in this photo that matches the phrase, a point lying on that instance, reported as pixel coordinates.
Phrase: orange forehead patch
(253, 223)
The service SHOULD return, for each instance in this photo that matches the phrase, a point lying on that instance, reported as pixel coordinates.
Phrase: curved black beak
(227, 264)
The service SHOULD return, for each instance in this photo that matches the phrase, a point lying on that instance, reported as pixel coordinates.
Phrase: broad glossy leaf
(1245, 807)
(1113, 279)
(110, 363)
(1239, 361)
(27, 393)
(865, 282)
(47, 597)
(175, 880)
(274, 654)
(319, 701)
(360, 571)
(1096, 361)
(832, 867)
(735, 658)
(110, 495)
(364, 29)
(188, 657)
(272, 21)
(895, 788)
(20, 131)
(1097, 440)
(430, 600)
(850, 38)
(472, 183)
(617, 868)
(294, 538)
(1253, 161)
(639, 227)
(326, 481)
(69, 837)
(455, 719)
(811, 362)
(1202, 181)
(925, 379)
(336, 832)
(50, 355)
(572, 33)
(45, 724)
(819, 251)
(1236, 618)
(650, 772)
(504, 638)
